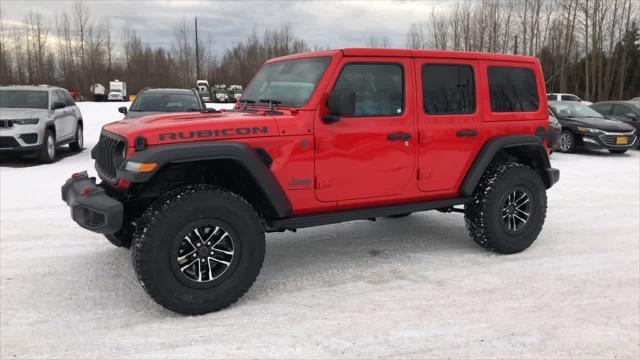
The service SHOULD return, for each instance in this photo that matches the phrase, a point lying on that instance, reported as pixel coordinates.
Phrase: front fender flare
(239, 152)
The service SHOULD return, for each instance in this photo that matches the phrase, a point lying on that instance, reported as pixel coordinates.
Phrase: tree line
(587, 47)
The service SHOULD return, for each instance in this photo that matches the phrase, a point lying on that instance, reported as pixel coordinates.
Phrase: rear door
(372, 153)
(449, 121)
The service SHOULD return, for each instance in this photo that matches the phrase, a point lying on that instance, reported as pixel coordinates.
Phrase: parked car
(37, 120)
(98, 92)
(627, 111)
(220, 94)
(566, 97)
(584, 127)
(321, 138)
(555, 130)
(75, 94)
(234, 93)
(204, 90)
(156, 101)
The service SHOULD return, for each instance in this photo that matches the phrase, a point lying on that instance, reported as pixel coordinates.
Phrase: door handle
(400, 136)
(466, 133)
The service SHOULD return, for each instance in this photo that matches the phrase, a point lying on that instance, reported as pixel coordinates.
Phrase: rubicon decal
(204, 134)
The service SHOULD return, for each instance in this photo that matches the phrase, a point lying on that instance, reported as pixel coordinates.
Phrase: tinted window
(621, 110)
(603, 109)
(552, 97)
(26, 99)
(162, 102)
(378, 87)
(569, 98)
(448, 89)
(512, 89)
(291, 81)
(68, 100)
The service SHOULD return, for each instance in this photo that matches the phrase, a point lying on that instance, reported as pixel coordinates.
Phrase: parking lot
(410, 287)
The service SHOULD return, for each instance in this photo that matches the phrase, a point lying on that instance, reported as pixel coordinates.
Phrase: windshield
(26, 99)
(571, 109)
(165, 102)
(291, 82)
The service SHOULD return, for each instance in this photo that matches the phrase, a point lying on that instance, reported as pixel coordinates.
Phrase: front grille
(108, 154)
(8, 142)
(611, 139)
(6, 124)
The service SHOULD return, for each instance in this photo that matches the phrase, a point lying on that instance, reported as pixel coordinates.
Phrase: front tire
(508, 208)
(47, 153)
(567, 141)
(617, 151)
(78, 144)
(198, 250)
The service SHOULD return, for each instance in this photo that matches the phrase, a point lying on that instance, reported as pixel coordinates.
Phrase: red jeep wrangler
(320, 138)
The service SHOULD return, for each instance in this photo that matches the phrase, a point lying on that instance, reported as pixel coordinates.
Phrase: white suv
(38, 119)
(566, 97)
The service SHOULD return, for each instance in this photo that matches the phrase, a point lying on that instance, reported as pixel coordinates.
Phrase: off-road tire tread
(157, 212)
(474, 215)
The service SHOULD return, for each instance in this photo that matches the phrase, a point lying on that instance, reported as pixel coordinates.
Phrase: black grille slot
(8, 142)
(6, 124)
(611, 139)
(108, 155)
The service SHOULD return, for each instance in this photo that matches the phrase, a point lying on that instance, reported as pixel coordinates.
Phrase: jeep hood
(190, 127)
(22, 113)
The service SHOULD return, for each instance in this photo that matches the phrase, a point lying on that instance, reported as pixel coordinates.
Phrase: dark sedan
(158, 101)
(584, 127)
(627, 111)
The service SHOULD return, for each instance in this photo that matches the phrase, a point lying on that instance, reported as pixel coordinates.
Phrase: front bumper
(608, 141)
(20, 138)
(91, 207)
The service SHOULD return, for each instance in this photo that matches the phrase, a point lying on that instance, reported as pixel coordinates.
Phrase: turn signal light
(140, 167)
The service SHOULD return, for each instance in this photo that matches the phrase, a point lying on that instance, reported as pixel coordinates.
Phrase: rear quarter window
(512, 89)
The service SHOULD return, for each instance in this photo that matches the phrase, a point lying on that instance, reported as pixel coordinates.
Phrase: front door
(449, 121)
(372, 153)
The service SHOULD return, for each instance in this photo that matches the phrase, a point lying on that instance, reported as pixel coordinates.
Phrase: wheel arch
(234, 166)
(525, 149)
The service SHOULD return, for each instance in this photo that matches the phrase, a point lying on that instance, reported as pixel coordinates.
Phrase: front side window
(159, 102)
(621, 110)
(603, 109)
(292, 81)
(448, 89)
(378, 88)
(512, 89)
(24, 99)
(552, 97)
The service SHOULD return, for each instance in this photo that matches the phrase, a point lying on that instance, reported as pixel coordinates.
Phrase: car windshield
(24, 99)
(159, 102)
(292, 82)
(571, 109)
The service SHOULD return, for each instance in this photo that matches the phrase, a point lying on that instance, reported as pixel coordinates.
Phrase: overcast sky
(323, 23)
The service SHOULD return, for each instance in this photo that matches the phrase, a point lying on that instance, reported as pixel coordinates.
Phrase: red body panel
(351, 164)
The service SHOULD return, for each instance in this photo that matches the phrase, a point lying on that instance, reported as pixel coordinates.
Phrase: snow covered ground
(416, 287)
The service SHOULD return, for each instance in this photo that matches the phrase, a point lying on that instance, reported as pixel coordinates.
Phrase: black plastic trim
(362, 214)
(491, 148)
(242, 153)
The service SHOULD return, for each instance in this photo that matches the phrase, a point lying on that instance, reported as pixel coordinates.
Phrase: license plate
(622, 140)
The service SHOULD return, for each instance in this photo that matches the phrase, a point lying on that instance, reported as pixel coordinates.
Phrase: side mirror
(58, 105)
(122, 110)
(631, 116)
(341, 102)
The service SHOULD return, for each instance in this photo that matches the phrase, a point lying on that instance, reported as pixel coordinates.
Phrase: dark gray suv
(38, 119)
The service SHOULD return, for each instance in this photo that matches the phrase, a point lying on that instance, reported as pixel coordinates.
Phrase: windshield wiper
(246, 103)
(272, 103)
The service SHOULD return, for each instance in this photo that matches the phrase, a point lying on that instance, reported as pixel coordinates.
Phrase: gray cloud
(324, 23)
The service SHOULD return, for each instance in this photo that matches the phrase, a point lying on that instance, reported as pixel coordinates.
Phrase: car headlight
(29, 121)
(591, 131)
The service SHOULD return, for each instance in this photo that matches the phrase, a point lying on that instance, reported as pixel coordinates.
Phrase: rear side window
(512, 89)
(603, 109)
(621, 110)
(379, 88)
(448, 89)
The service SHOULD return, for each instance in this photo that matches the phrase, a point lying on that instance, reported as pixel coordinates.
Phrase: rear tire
(508, 208)
(78, 144)
(47, 153)
(617, 151)
(190, 276)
